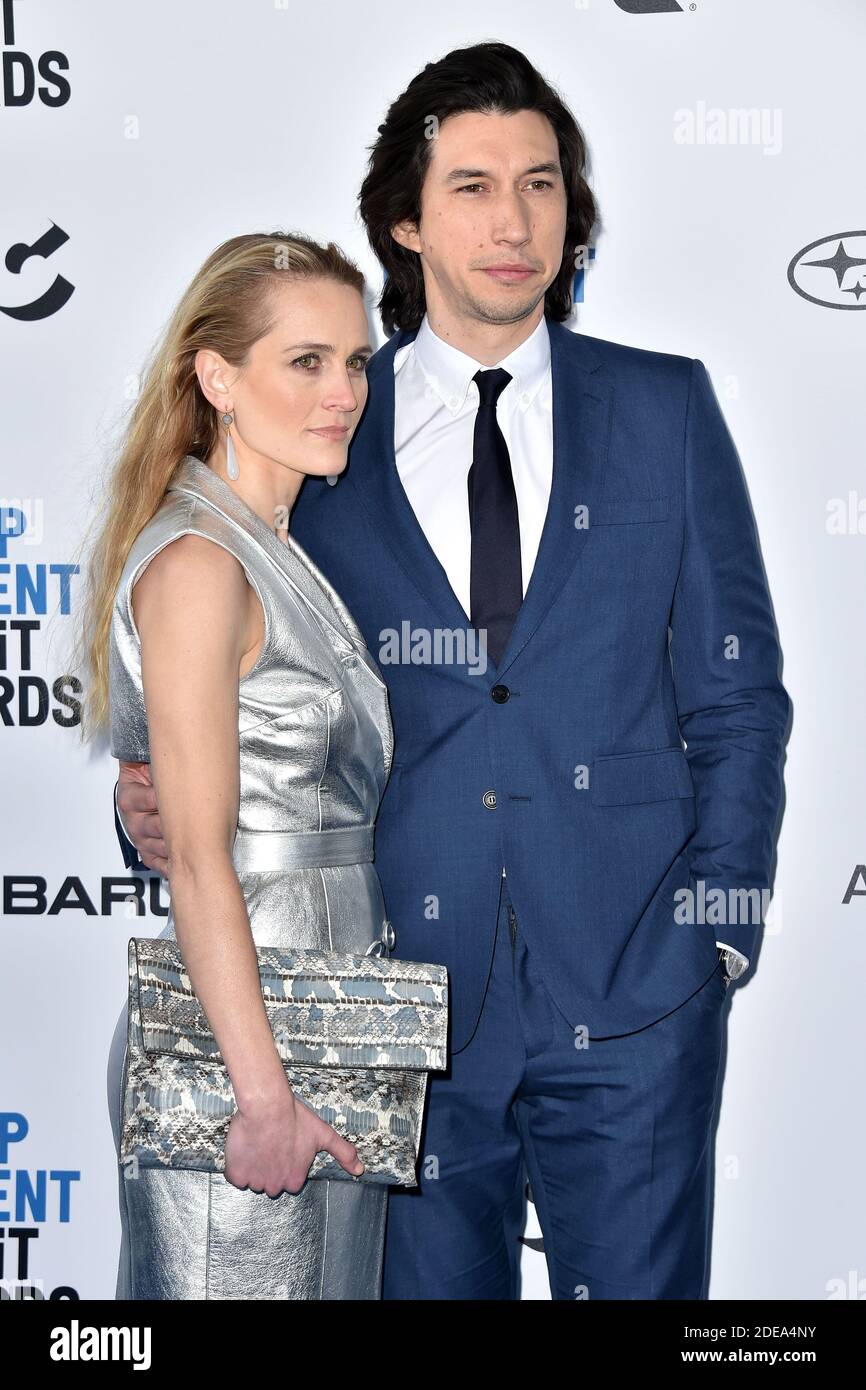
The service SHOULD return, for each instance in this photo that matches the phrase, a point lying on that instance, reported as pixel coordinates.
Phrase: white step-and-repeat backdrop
(727, 144)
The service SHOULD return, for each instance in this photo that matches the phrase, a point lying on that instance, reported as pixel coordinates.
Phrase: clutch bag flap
(325, 1008)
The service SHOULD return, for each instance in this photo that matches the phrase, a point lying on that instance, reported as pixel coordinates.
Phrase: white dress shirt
(436, 402)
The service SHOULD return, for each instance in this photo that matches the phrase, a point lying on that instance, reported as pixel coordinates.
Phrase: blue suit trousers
(615, 1136)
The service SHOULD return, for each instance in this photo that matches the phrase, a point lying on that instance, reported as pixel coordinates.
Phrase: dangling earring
(231, 457)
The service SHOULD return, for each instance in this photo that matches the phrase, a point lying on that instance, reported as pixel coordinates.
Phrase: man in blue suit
(581, 818)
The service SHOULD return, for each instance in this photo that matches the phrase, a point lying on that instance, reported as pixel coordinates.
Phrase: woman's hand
(271, 1146)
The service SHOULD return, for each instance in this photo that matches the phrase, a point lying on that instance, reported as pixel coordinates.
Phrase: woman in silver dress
(220, 655)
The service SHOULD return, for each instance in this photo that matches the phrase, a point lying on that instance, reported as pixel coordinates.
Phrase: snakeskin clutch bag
(357, 1035)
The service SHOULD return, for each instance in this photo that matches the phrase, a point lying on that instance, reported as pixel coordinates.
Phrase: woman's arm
(193, 612)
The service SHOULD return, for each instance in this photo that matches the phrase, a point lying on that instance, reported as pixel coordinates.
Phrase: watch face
(734, 965)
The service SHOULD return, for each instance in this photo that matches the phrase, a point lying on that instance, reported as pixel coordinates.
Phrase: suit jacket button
(489, 799)
(500, 694)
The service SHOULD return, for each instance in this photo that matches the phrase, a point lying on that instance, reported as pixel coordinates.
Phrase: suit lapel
(373, 469)
(582, 412)
(582, 408)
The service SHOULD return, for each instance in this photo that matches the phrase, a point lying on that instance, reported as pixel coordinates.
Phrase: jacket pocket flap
(659, 774)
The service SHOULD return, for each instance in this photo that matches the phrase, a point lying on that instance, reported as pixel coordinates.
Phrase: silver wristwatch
(733, 964)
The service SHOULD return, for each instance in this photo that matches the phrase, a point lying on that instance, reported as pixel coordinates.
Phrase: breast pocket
(628, 511)
(658, 774)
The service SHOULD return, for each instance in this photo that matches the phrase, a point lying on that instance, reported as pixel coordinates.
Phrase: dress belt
(302, 849)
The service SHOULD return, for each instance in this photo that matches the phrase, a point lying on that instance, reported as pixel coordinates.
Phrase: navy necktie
(496, 582)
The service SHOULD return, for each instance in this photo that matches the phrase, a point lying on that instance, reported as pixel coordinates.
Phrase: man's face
(493, 197)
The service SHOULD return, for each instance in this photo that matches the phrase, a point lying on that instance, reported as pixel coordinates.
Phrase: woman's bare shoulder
(193, 579)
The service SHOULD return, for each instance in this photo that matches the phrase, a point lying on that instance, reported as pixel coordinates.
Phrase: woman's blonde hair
(227, 308)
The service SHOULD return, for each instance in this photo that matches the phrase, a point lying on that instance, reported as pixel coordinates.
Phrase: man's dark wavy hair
(489, 78)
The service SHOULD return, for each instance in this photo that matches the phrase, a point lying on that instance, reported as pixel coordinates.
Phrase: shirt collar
(449, 371)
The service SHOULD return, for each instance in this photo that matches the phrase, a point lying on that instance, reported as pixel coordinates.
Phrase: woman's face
(298, 400)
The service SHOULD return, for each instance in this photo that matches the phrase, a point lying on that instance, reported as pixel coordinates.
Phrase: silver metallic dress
(316, 745)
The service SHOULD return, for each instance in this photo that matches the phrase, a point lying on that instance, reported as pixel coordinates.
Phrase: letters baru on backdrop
(726, 144)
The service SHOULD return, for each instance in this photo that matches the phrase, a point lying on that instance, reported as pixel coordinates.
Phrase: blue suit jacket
(600, 814)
